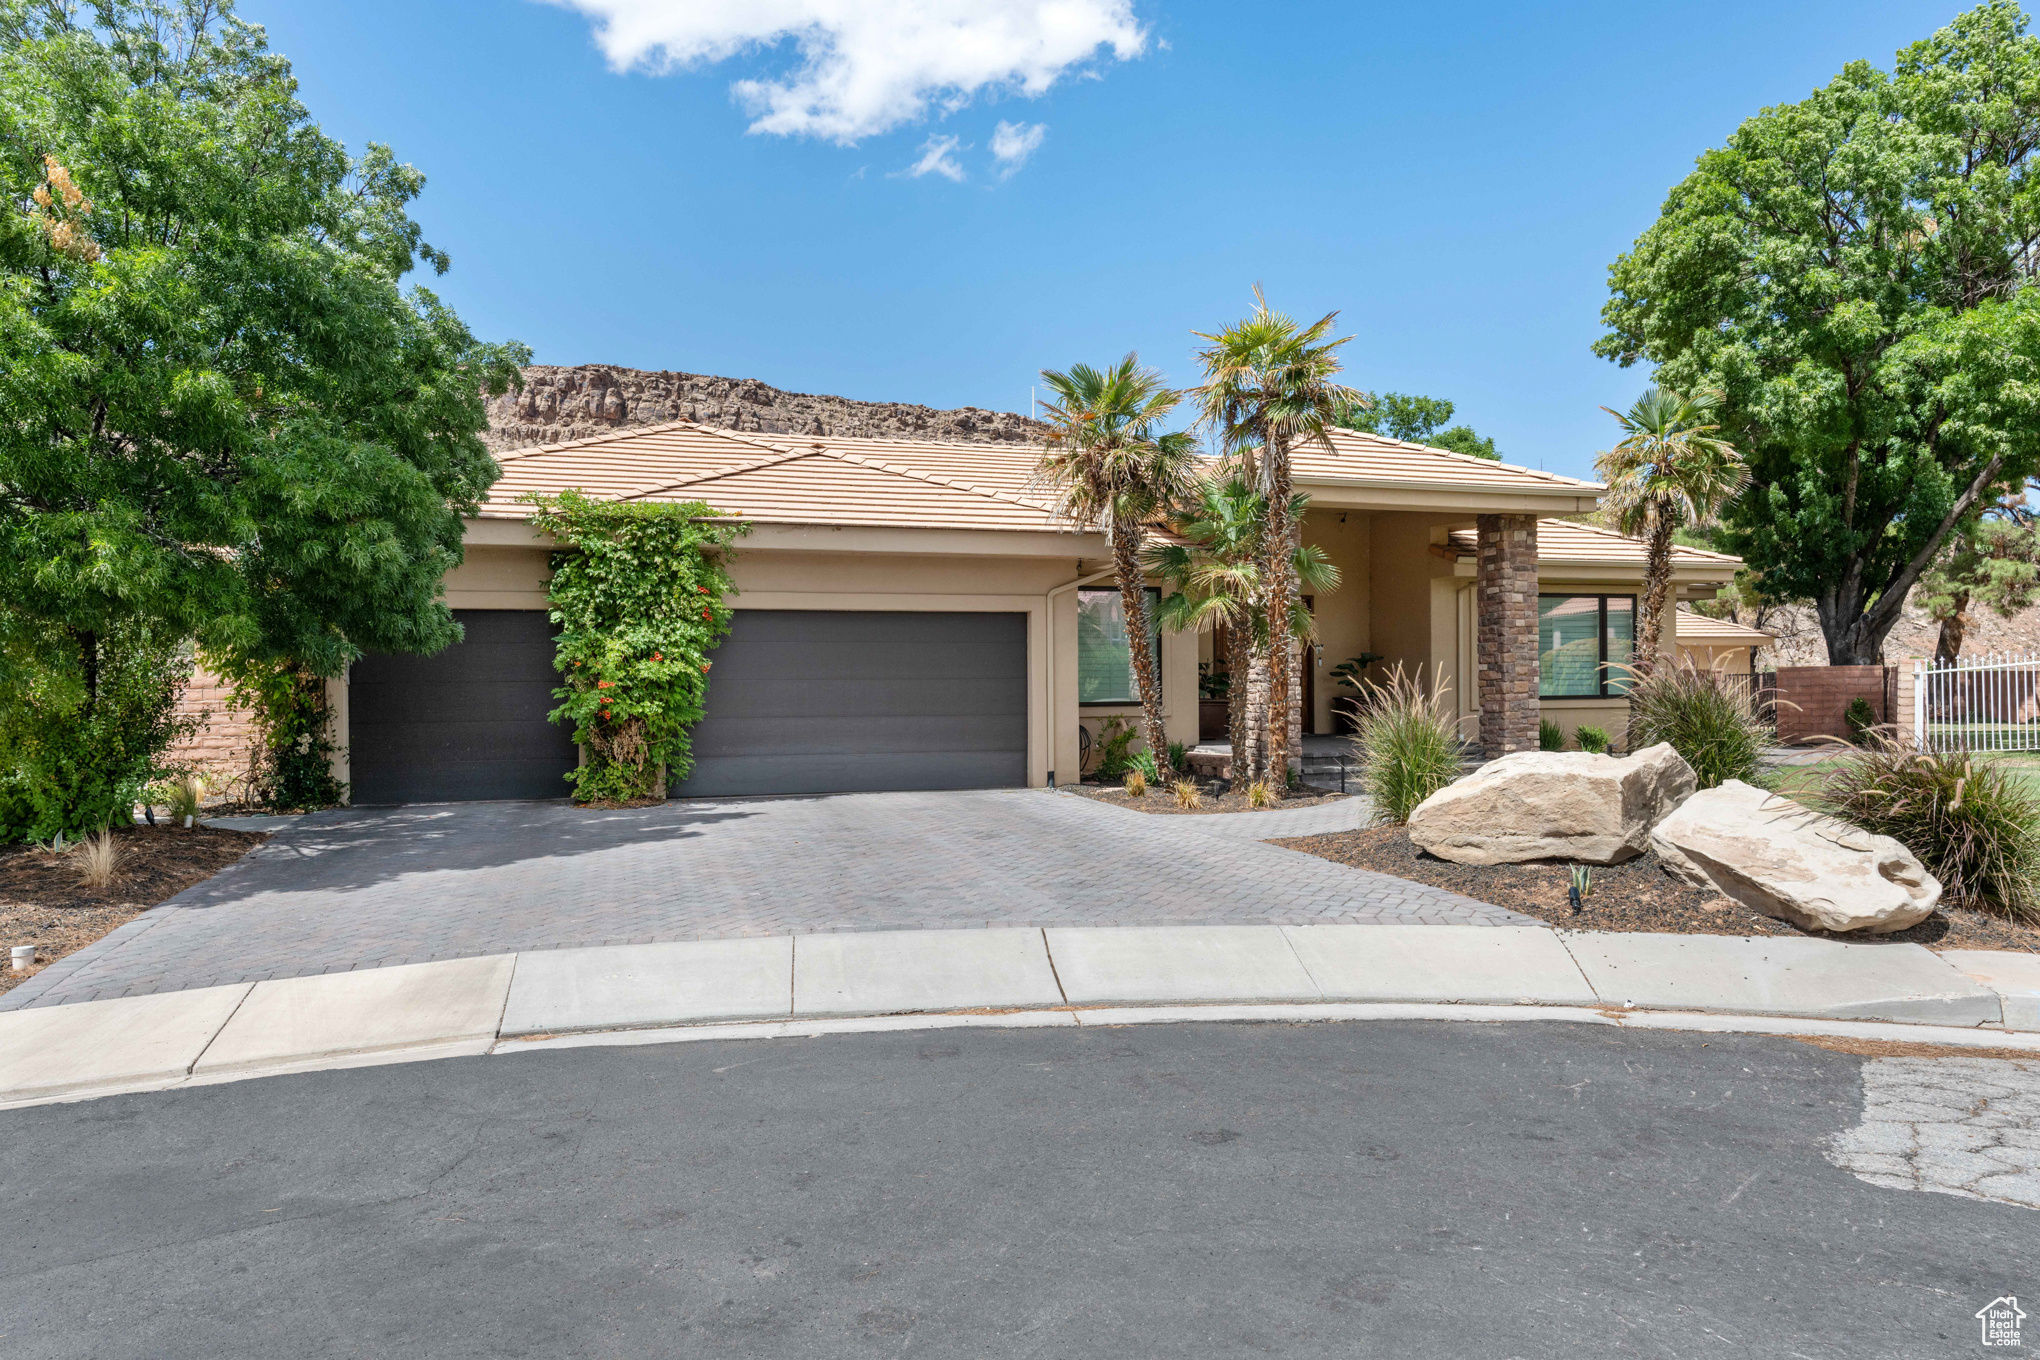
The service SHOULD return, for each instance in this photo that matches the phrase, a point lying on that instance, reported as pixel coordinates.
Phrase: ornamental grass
(1705, 716)
(1408, 744)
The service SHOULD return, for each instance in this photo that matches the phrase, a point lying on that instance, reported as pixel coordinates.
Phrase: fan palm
(1108, 463)
(1270, 384)
(1215, 573)
(1670, 469)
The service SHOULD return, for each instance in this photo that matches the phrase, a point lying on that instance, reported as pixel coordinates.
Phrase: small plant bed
(1636, 896)
(44, 900)
(1164, 800)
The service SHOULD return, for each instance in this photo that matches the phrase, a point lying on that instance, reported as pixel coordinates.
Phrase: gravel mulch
(44, 902)
(1636, 896)
(1163, 800)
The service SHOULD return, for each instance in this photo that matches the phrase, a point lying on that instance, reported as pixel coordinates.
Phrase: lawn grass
(1794, 781)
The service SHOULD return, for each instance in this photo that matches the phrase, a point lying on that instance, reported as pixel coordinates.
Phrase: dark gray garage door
(466, 724)
(811, 701)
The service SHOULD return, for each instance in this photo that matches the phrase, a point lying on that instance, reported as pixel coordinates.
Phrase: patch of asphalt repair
(1952, 1126)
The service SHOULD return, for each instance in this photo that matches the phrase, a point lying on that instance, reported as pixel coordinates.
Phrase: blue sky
(1454, 178)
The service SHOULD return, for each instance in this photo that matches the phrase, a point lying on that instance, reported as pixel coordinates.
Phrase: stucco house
(912, 615)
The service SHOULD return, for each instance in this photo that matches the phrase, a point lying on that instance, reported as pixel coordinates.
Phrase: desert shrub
(1859, 718)
(1260, 795)
(1703, 717)
(1976, 826)
(86, 720)
(1550, 736)
(1592, 739)
(1114, 740)
(1407, 745)
(1136, 784)
(1188, 795)
(1143, 760)
(1178, 755)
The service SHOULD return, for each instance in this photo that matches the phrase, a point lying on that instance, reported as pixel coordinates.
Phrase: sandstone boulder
(1775, 856)
(1553, 805)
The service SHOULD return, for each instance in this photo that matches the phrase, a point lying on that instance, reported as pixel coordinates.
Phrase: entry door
(847, 701)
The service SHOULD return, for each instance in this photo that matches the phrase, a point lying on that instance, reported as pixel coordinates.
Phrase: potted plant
(1346, 707)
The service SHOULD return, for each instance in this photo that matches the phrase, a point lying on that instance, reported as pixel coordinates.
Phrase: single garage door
(843, 701)
(466, 724)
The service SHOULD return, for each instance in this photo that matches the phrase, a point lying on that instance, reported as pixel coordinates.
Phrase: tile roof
(830, 479)
(1374, 460)
(1565, 540)
(788, 479)
(1691, 627)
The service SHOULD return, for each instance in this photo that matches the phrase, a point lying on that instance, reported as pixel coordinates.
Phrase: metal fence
(1988, 703)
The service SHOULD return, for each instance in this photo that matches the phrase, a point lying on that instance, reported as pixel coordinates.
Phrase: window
(1104, 661)
(1583, 641)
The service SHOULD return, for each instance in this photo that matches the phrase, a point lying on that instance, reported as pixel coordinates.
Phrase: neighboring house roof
(1372, 460)
(1565, 542)
(1690, 627)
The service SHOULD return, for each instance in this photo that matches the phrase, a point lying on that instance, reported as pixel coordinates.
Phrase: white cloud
(867, 66)
(938, 157)
(1013, 143)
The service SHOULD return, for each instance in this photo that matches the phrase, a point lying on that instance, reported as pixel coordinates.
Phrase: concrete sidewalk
(1068, 976)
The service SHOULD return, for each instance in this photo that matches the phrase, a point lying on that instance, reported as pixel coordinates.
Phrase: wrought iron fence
(1985, 703)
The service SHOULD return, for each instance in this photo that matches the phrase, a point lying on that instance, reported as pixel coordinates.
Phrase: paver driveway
(358, 889)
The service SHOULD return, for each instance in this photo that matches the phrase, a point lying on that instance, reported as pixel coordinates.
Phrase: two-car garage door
(800, 701)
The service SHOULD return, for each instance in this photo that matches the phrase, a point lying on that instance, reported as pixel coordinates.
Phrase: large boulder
(1553, 805)
(1777, 857)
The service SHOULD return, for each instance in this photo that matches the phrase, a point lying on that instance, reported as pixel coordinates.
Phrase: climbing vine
(640, 592)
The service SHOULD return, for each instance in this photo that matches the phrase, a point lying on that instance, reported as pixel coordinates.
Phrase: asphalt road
(1396, 1190)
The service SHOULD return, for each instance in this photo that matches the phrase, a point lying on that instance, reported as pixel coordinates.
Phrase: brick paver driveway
(358, 889)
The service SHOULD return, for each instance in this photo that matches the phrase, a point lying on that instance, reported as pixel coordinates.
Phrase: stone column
(1506, 649)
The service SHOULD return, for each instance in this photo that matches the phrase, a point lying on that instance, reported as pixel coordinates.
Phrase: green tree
(1851, 272)
(1270, 384)
(224, 418)
(1109, 463)
(1215, 579)
(1993, 562)
(1416, 420)
(1669, 472)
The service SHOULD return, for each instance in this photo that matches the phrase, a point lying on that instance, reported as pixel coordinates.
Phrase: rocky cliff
(590, 399)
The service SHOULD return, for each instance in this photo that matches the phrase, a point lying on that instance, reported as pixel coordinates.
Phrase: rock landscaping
(1777, 857)
(1572, 805)
(1636, 895)
(44, 900)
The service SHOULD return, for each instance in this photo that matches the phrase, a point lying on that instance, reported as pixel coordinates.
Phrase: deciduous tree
(1853, 272)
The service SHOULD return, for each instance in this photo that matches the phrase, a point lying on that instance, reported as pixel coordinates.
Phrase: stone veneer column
(1506, 650)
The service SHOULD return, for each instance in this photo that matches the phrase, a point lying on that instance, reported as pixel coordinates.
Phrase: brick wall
(220, 749)
(1813, 699)
(1506, 647)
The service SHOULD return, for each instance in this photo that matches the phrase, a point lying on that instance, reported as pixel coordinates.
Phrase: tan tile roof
(1564, 540)
(787, 480)
(1709, 632)
(828, 479)
(1373, 460)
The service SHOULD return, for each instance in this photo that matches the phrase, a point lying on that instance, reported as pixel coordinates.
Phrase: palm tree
(1109, 464)
(1216, 575)
(1669, 470)
(1270, 385)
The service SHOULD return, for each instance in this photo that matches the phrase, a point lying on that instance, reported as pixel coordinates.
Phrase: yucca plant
(1407, 743)
(1550, 736)
(1188, 795)
(1704, 717)
(1974, 825)
(1260, 794)
(1136, 784)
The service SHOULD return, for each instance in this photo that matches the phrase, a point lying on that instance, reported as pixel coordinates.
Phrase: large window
(1104, 660)
(1583, 643)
